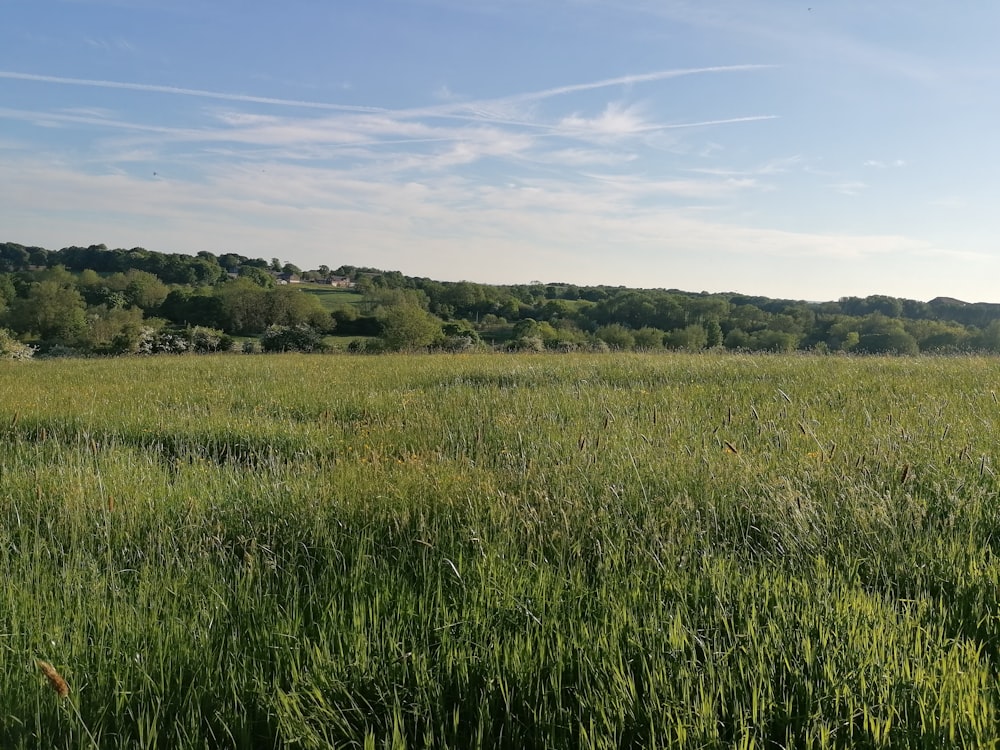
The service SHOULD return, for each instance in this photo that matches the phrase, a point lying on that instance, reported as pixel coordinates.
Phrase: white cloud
(616, 120)
(851, 188)
(879, 164)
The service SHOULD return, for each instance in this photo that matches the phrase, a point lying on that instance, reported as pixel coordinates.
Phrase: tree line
(96, 300)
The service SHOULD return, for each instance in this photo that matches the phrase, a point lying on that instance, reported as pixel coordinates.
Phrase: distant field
(331, 296)
(514, 551)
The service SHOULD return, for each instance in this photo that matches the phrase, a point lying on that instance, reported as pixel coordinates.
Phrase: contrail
(480, 107)
(443, 110)
(630, 79)
(175, 90)
(750, 118)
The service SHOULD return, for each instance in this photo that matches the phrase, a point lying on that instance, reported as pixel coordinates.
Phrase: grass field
(331, 297)
(517, 551)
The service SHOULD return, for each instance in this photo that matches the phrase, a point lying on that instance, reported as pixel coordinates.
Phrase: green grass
(500, 551)
(331, 297)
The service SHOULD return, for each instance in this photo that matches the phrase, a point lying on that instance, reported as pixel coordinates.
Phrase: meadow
(518, 551)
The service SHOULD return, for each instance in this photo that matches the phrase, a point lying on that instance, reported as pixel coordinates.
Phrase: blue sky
(809, 150)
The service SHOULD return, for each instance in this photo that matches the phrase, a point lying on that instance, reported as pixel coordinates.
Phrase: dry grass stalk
(56, 681)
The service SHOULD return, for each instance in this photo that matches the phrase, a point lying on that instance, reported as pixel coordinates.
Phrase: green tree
(259, 276)
(51, 311)
(648, 338)
(7, 291)
(567, 335)
(738, 339)
(883, 335)
(938, 336)
(989, 338)
(769, 340)
(408, 326)
(13, 257)
(616, 336)
(529, 328)
(297, 338)
(693, 337)
(713, 333)
(144, 290)
(292, 307)
(842, 336)
(114, 330)
(244, 307)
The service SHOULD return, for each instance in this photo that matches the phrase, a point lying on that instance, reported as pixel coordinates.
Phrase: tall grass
(500, 551)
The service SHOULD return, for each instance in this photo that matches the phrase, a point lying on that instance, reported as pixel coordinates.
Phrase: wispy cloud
(615, 120)
(851, 188)
(878, 164)
(537, 229)
(84, 117)
(631, 80)
(501, 126)
(393, 183)
(179, 91)
(452, 108)
(110, 45)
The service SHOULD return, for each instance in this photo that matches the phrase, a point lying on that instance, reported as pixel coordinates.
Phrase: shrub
(298, 338)
(11, 348)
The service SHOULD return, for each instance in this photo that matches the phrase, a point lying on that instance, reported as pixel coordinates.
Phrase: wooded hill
(96, 300)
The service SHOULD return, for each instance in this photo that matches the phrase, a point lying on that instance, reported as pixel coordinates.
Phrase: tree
(13, 257)
(292, 307)
(713, 333)
(529, 328)
(184, 307)
(693, 337)
(938, 336)
(616, 336)
(298, 338)
(882, 335)
(409, 326)
(989, 338)
(205, 339)
(51, 311)
(244, 307)
(459, 336)
(144, 290)
(768, 340)
(737, 339)
(843, 335)
(258, 276)
(114, 331)
(648, 338)
(7, 291)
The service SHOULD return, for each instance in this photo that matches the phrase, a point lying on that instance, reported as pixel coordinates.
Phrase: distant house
(341, 282)
(289, 278)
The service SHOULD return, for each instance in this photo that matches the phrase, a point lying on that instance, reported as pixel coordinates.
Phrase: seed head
(56, 681)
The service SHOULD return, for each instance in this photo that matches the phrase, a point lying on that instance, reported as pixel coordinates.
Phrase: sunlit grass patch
(488, 550)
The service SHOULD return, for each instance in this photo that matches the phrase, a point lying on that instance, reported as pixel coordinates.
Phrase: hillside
(115, 301)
